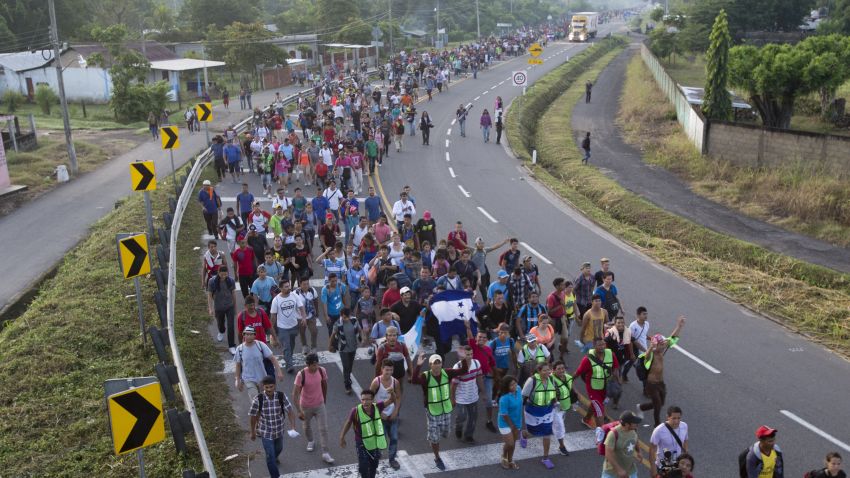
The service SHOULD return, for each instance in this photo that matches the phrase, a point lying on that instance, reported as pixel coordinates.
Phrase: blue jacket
(755, 463)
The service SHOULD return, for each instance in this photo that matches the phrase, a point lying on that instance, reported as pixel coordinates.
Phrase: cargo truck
(583, 26)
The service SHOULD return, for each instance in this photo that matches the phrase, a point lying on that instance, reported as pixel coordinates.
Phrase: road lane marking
(476, 98)
(487, 214)
(453, 121)
(465, 193)
(539, 255)
(468, 105)
(502, 82)
(447, 143)
(465, 458)
(452, 171)
(449, 132)
(696, 359)
(493, 87)
(482, 94)
(817, 431)
(447, 156)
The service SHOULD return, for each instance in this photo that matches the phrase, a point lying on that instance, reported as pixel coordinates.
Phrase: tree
(201, 15)
(717, 104)
(45, 97)
(242, 46)
(831, 67)
(839, 18)
(663, 43)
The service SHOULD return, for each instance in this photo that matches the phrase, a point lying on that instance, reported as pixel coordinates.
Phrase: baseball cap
(604, 259)
(249, 330)
(427, 215)
(404, 290)
(435, 358)
(765, 431)
(585, 265)
(629, 417)
(207, 182)
(530, 338)
(503, 274)
(329, 216)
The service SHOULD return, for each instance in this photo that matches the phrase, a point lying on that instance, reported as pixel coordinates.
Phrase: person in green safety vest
(369, 434)
(596, 368)
(566, 401)
(530, 356)
(436, 390)
(540, 396)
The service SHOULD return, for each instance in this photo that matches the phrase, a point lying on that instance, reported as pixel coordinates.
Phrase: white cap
(404, 290)
(207, 182)
(435, 358)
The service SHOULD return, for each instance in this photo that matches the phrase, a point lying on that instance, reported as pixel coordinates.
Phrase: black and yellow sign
(170, 137)
(136, 418)
(535, 49)
(204, 111)
(535, 61)
(133, 255)
(143, 176)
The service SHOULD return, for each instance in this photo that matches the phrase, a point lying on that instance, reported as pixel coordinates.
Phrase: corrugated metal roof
(154, 51)
(24, 60)
(183, 64)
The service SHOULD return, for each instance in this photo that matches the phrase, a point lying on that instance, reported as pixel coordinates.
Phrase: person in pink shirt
(309, 397)
(484, 355)
(382, 230)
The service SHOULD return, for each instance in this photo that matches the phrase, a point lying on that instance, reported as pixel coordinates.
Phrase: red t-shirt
(458, 240)
(244, 259)
(391, 296)
(484, 355)
(555, 305)
(585, 369)
(260, 321)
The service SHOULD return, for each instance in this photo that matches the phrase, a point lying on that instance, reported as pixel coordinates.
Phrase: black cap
(629, 417)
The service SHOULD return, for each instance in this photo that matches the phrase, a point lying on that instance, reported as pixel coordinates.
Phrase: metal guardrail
(186, 196)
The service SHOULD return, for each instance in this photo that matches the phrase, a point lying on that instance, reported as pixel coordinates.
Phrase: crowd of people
(380, 267)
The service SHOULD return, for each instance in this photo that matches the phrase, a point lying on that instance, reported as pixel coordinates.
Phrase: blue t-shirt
(287, 150)
(510, 404)
(496, 285)
(502, 351)
(232, 153)
(210, 203)
(601, 292)
(217, 150)
(246, 201)
(373, 208)
(333, 299)
(320, 206)
(263, 288)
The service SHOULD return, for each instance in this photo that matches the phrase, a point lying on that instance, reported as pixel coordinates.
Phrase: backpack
(606, 428)
(742, 463)
(279, 395)
(402, 279)
(640, 368)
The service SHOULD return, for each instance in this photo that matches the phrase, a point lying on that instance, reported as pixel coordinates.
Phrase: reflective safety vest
(371, 429)
(544, 393)
(600, 375)
(439, 396)
(538, 355)
(564, 387)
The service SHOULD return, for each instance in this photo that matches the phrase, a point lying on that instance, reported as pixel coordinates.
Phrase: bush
(45, 98)
(13, 100)
(134, 102)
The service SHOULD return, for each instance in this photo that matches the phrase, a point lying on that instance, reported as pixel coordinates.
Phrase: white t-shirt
(284, 203)
(466, 391)
(286, 309)
(664, 441)
(334, 197)
(639, 334)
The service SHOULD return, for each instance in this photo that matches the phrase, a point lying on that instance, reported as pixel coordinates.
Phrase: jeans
(486, 131)
(467, 413)
(586, 156)
(322, 420)
(287, 341)
(367, 461)
(462, 124)
(498, 135)
(347, 359)
(488, 391)
(426, 135)
(225, 319)
(391, 429)
(273, 447)
(211, 218)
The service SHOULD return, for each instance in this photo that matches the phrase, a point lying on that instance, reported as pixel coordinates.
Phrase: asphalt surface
(736, 370)
(623, 163)
(73, 207)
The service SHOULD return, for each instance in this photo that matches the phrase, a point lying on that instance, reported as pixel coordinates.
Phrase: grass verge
(80, 330)
(805, 297)
(35, 168)
(99, 116)
(800, 198)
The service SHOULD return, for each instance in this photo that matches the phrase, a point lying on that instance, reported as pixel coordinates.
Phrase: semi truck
(583, 26)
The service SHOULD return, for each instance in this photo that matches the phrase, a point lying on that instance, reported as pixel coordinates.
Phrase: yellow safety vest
(371, 429)
(439, 396)
(544, 393)
(564, 387)
(539, 357)
(600, 375)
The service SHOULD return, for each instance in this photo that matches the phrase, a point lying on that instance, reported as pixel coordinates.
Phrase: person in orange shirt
(544, 332)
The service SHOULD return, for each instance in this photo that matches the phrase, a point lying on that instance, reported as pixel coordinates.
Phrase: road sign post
(204, 113)
(135, 415)
(170, 141)
(143, 178)
(134, 260)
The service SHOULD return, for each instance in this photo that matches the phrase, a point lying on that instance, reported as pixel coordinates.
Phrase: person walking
(221, 302)
(398, 131)
(486, 123)
(567, 398)
(267, 412)
(669, 440)
(461, 114)
(425, 125)
(832, 468)
(764, 458)
(369, 435)
(510, 420)
(153, 125)
(250, 358)
(588, 87)
(653, 363)
(467, 390)
(596, 369)
(384, 386)
(622, 453)
(211, 207)
(500, 125)
(585, 145)
(540, 394)
(287, 311)
(346, 335)
(310, 396)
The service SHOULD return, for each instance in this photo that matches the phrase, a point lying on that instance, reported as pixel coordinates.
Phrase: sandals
(513, 465)
(506, 464)
(547, 463)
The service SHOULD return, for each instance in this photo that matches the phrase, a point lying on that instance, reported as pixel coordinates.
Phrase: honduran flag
(452, 308)
(413, 337)
(538, 420)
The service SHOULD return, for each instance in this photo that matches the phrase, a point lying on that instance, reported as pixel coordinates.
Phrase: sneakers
(638, 411)
(232, 350)
(220, 337)
(439, 463)
(311, 445)
(395, 464)
(547, 463)
(326, 457)
(563, 450)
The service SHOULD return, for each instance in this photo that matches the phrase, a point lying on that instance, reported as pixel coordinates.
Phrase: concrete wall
(758, 147)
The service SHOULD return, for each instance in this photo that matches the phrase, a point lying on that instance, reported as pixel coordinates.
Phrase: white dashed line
(482, 94)
(449, 132)
(465, 193)
(817, 431)
(477, 98)
(452, 172)
(453, 121)
(696, 359)
(493, 87)
(502, 82)
(447, 143)
(468, 105)
(447, 156)
(539, 255)
(487, 215)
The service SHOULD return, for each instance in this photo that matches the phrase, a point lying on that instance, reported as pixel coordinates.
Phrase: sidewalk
(624, 164)
(63, 216)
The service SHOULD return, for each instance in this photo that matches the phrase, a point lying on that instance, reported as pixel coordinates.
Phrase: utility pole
(477, 21)
(392, 49)
(437, 16)
(206, 81)
(54, 38)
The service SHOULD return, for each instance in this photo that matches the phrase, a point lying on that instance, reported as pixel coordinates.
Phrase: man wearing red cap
(764, 458)
(426, 229)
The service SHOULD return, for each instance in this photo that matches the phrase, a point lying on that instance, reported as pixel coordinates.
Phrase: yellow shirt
(768, 464)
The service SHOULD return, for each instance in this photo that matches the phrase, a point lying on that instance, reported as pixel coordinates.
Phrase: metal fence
(186, 197)
(688, 116)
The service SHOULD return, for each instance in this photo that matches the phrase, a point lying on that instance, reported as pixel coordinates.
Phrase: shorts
(504, 431)
(597, 402)
(438, 426)
(231, 167)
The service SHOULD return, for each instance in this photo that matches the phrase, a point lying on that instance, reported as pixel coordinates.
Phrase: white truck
(583, 26)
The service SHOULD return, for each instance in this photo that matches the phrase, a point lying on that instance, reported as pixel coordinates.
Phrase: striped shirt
(467, 385)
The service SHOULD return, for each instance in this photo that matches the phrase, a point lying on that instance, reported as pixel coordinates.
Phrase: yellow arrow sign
(136, 418)
(170, 137)
(143, 176)
(204, 111)
(535, 49)
(133, 255)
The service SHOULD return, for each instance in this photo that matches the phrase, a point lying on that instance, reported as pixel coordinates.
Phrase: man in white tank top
(381, 387)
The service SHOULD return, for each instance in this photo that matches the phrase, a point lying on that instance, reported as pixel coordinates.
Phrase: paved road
(623, 163)
(73, 207)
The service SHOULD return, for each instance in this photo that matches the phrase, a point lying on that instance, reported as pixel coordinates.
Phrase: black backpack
(742, 462)
(278, 395)
(640, 368)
